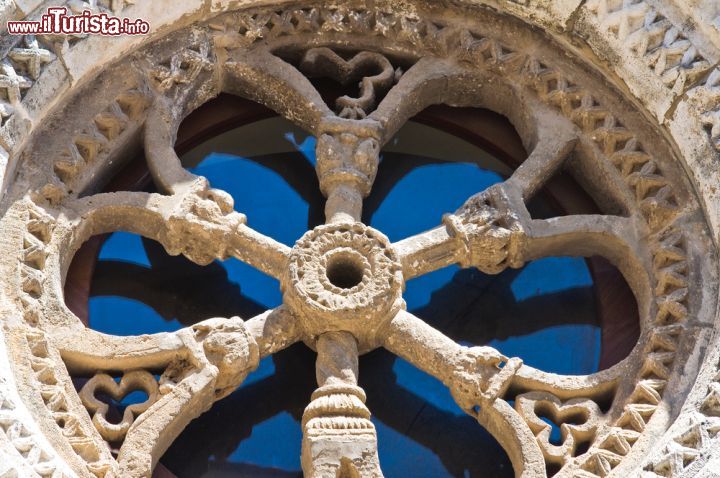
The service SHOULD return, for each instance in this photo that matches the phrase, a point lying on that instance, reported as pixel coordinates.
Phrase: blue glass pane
(425, 462)
(427, 192)
(566, 273)
(272, 207)
(255, 450)
(421, 384)
(137, 396)
(125, 247)
(118, 315)
(128, 298)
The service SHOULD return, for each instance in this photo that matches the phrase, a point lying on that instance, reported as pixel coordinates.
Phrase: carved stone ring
(344, 277)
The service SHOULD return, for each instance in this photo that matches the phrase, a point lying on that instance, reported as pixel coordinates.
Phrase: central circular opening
(344, 272)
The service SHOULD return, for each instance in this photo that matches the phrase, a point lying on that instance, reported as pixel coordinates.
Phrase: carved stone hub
(344, 277)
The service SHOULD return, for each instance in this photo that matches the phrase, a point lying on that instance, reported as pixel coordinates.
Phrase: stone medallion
(344, 277)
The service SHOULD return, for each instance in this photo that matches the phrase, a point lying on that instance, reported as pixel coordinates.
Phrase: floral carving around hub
(344, 277)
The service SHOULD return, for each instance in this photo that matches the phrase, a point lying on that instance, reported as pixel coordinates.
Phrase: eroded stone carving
(104, 383)
(182, 68)
(577, 418)
(491, 239)
(227, 345)
(348, 159)
(374, 72)
(481, 376)
(201, 226)
(343, 281)
(652, 37)
(687, 446)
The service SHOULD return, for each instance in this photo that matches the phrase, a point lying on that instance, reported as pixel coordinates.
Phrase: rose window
(352, 81)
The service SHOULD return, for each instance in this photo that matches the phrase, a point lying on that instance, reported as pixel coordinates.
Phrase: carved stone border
(692, 118)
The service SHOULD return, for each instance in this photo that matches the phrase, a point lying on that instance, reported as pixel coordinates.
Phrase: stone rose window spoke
(343, 281)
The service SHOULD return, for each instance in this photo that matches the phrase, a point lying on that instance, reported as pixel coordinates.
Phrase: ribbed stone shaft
(344, 204)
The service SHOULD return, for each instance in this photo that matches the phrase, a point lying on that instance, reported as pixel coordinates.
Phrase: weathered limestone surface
(624, 95)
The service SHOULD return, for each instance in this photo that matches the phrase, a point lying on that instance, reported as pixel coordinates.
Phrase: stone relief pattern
(653, 38)
(52, 392)
(94, 143)
(35, 241)
(653, 192)
(87, 151)
(663, 47)
(120, 120)
(671, 293)
(671, 55)
(691, 446)
(60, 44)
(434, 36)
(181, 68)
(54, 396)
(19, 69)
(656, 200)
(666, 51)
(25, 59)
(708, 100)
(660, 43)
(25, 441)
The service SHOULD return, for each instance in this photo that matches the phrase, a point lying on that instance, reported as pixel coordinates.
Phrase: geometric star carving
(12, 83)
(32, 57)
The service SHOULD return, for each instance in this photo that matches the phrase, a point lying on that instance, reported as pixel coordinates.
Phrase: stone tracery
(491, 232)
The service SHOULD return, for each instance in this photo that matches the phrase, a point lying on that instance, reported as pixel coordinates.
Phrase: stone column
(339, 438)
